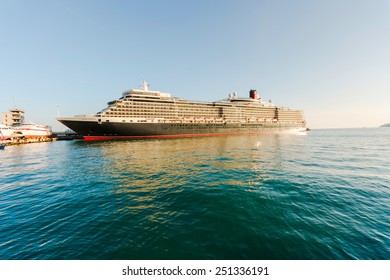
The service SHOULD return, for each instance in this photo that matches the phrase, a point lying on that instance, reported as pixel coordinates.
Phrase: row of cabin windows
(227, 112)
(194, 112)
(189, 114)
(162, 109)
(188, 107)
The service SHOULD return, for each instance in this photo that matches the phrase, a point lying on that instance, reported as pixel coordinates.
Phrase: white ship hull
(33, 130)
(6, 132)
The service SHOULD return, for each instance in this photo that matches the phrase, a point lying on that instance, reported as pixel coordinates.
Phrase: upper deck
(144, 103)
(144, 91)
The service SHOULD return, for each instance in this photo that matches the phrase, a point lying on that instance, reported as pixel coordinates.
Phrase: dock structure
(23, 140)
(66, 135)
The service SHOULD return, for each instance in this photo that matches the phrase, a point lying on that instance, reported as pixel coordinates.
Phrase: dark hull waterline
(114, 130)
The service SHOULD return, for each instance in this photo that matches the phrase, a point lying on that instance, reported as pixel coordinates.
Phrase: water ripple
(325, 195)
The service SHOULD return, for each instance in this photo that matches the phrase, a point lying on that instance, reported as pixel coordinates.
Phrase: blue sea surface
(324, 195)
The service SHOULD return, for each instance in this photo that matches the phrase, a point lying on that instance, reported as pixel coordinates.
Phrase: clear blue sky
(330, 58)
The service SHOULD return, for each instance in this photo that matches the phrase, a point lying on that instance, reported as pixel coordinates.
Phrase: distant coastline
(385, 125)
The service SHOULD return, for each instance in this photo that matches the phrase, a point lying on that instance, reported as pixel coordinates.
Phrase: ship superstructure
(146, 113)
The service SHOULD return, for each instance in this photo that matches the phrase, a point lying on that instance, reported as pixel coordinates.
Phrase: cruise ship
(144, 113)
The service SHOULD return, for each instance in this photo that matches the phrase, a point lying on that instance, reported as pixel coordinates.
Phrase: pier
(66, 135)
(20, 141)
(55, 136)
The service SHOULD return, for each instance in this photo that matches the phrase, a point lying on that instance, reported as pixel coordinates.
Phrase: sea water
(323, 195)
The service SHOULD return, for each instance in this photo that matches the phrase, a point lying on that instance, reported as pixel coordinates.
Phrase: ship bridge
(144, 91)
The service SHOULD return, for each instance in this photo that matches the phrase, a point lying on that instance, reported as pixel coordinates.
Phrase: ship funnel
(253, 94)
